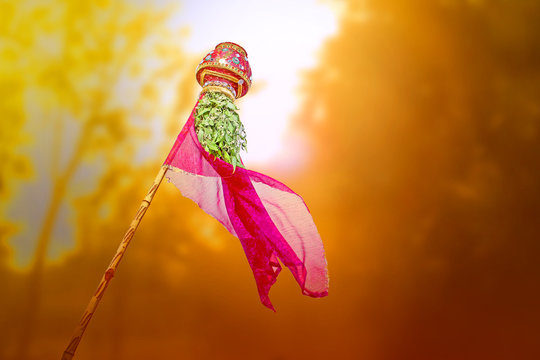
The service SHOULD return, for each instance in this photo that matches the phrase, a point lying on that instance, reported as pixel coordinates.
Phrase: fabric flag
(271, 221)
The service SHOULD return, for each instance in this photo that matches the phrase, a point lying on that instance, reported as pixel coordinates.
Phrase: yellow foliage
(69, 96)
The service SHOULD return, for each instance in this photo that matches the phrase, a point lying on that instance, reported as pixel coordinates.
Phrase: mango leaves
(219, 128)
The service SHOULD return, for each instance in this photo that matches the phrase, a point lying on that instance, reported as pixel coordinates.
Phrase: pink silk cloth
(270, 220)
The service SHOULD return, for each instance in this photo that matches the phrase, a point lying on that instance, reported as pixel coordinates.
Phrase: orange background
(422, 124)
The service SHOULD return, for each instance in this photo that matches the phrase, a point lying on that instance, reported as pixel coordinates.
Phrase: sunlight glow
(281, 38)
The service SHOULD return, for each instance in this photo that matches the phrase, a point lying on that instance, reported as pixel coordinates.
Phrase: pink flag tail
(271, 221)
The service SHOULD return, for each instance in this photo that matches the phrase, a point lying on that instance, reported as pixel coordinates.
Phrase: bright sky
(281, 37)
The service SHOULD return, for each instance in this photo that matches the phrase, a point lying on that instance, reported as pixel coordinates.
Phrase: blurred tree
(14, 166)
(425, 117)
(84, 67)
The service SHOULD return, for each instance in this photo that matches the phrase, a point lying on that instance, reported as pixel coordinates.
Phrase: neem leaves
(219, 128)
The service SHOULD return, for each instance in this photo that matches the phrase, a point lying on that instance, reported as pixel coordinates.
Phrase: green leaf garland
(219, 128)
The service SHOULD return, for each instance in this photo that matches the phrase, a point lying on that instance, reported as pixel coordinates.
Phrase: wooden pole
(109, 273)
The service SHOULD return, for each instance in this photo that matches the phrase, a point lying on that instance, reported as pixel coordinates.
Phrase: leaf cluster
(219, 128)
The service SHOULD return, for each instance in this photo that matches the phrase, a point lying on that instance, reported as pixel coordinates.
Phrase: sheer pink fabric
(271, 221)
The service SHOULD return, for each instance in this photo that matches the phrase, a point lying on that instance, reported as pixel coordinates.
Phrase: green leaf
(239, 161)
(212, 146)
(219, 128)
(202, 111)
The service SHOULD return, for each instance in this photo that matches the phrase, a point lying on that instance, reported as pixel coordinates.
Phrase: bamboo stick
(109, 273)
